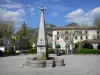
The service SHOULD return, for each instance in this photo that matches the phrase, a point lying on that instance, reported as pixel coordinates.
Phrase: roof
(23, 41)
(93, 41)
(22, 44)
(76, 28)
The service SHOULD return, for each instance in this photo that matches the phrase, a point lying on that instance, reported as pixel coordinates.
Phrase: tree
(35, 38)
(25, 32)
(72, 24)
(49, 27)
(6, 29)
(97, 22)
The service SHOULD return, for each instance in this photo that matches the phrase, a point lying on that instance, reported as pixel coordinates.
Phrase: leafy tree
(31, 34)
(35, 38)
(97, 21)
(25, 32)
(72, 24)
(6, 29)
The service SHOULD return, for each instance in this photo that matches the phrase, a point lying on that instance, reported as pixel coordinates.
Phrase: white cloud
(31, 9)
(55, 14)
(78, 12)
(37, 3)
(22, 11)
(33, 13)
(11, 5)
(95, 12)
(15, 16)
(82, 18)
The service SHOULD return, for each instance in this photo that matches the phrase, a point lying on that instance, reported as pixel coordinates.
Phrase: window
(97, 32)
(81, 37)
(86, 32)
(57, 32)
(76, 37)
(98, 37)
(57, 38)
(66, 32)
(80, 32)
(41, 39)
(66, 38)
(75, 32)
(1, 43)
(86, 37)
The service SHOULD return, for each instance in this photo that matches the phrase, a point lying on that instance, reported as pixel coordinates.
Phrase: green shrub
(51, 51)
(32, 50)
(9, 52)
(1, 53)
(87, 51)
(87, 45)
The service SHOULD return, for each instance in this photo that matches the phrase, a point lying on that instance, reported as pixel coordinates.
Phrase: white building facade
(73, 34)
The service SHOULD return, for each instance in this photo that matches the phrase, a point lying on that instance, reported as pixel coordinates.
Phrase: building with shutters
(65, 36)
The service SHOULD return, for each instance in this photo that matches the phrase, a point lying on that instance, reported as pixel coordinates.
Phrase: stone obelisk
(42, 42)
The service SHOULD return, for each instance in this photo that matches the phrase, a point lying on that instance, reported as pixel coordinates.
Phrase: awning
(66, 45)
(58, 45)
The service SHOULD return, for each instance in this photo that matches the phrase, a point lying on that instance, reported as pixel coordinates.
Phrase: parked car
(60, 52)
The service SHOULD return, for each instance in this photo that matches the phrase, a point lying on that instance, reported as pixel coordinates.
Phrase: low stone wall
(43, 63)
(59, 62)
(50, 63)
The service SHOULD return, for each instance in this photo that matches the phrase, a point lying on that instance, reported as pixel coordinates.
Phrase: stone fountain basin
(35, 63)
(31, 62)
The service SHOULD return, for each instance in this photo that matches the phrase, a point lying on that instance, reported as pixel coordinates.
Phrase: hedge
(1, 53)
(30, 51)
(51, 51)
(87, 51)
(7, 53)
(34, 51)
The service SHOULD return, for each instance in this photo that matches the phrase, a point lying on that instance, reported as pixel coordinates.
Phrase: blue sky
(57, 12)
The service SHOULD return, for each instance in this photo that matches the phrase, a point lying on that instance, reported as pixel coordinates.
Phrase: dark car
(60, 52)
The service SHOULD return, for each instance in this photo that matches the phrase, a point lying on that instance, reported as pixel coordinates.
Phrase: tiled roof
(93, 41)
(76, 28)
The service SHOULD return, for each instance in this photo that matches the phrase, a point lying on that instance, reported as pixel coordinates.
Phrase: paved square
(75, 65)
